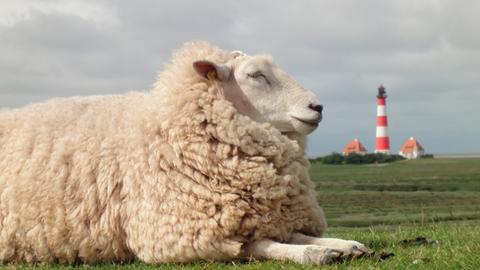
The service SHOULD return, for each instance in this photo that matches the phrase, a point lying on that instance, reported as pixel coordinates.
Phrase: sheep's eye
(257, 75)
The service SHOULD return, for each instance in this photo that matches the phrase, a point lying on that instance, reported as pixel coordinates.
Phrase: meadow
(381, 206)
(404, 192)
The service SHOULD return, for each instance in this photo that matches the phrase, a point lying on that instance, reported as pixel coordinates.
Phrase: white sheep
(205, 167)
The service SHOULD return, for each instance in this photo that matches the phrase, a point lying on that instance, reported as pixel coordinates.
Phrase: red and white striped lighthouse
(382, 144)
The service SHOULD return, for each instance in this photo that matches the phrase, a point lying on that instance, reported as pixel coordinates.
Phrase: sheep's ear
(212, 71)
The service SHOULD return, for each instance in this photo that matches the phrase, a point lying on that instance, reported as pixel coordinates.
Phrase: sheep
(208, 165)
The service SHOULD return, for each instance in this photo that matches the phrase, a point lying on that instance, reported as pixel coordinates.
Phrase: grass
(381, 206)
(418, 191)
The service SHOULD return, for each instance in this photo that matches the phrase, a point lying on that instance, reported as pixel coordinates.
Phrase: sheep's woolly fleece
(175, 174)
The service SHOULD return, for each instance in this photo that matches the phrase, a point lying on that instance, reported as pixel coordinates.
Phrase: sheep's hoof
(353, 249)
(320, 255)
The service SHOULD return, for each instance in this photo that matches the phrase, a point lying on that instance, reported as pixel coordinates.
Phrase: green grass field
(415, 191)
(381, 205)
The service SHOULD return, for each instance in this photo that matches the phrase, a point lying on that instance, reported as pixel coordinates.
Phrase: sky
(426, 54)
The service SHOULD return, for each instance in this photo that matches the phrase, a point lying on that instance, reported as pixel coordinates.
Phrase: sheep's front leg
(349, 248)
(268, 249)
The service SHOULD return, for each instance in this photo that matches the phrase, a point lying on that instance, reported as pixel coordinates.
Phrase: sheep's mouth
(310, 122)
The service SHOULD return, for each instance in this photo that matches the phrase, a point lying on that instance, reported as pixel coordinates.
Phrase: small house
(354, 146)
(411, 149)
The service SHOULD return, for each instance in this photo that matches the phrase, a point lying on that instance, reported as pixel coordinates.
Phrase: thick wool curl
(173, 175)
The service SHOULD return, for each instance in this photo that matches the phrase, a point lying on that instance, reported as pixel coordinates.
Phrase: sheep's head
(264, 92)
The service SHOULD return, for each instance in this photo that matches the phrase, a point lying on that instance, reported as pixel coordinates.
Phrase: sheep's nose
(316, 107)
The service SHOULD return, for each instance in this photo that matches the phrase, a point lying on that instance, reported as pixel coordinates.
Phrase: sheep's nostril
(318, 107)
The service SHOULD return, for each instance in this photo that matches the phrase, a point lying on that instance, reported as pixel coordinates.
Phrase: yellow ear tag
(212, 75)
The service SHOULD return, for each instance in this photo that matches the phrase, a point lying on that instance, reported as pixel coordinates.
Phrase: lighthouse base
(386, 152)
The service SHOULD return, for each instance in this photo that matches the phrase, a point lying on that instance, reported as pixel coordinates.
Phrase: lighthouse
(382, 143)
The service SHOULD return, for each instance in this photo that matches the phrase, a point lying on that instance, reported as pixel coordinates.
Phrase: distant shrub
(354, 158)
(427, 156)
(384, 158)
(370, 158)
(398, 157)
(315, 160)
(334, 158)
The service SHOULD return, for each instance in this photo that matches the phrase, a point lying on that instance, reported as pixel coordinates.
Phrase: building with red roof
(411, 149)
(354, 146)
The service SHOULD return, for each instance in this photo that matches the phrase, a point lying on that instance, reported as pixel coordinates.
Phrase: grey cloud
(426, 53)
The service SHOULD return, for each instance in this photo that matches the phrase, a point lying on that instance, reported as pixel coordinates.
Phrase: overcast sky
(426, 53)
